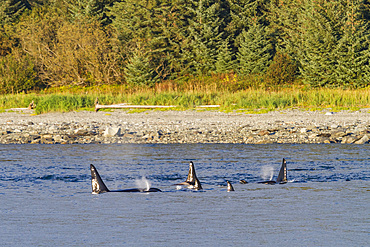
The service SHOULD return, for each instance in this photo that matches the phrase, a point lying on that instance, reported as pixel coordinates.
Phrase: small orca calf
(282, 177)
(98, 185)
(229, 187)
(192, 182)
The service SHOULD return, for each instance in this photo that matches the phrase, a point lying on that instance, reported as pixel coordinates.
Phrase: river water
(46, 200)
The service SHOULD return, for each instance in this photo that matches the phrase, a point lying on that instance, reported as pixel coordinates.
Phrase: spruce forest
(56, 43)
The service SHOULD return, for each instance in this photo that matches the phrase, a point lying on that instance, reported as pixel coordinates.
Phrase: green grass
(248, 100)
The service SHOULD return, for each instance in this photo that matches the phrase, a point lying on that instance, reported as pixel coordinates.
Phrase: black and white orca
(98, 185)
(282, 177)
(192, 182)
(229, 187)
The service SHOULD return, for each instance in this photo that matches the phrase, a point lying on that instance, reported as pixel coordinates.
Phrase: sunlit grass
(187, 95)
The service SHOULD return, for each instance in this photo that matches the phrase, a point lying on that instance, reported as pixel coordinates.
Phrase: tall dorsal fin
(229, 186)
(197, 185)
(97, 183)
(191, 175)
(282, 177)
(192, 178)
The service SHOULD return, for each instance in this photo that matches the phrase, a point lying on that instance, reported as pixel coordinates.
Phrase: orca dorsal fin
(192, 178)
(282, 177)
(97, 183)
(191, 174)
(197, 185)
(229, 186)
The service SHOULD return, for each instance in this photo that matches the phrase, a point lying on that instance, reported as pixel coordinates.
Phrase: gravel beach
(287, 126)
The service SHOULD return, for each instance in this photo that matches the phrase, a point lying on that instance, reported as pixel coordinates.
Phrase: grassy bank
(188, 97)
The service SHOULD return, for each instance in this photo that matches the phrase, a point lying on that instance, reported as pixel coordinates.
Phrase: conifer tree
(353, 49)
(158, 24)
(241, 14)
(138, 70)
(319, 31)
(95, 9)
(168, 34)
(205, 37)
(224, 62)
(255, 51)
(10, 10)
(284, 22)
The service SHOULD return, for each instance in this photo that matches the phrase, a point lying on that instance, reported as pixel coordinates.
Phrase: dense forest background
(52, 43)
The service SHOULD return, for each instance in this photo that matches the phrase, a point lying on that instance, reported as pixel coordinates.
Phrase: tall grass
(188, 96)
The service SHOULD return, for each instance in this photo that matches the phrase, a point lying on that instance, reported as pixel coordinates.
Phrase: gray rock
(347, 139)
(112, 131)
(185, 127)
(82, 132)
(338, 134)
(363, 140)
(263, 133)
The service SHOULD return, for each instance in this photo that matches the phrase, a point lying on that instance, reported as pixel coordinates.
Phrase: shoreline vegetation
(258, 100)
(247, 56)
(252, 116)
(185, 46)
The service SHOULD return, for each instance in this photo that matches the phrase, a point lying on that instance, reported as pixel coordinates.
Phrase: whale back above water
(98, 185)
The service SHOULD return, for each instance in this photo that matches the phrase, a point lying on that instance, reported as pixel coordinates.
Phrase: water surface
(46, 198)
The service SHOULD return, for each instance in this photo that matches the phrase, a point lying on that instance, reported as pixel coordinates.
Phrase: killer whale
(192, 182)
(98, 185)
(282, 177)
(229, 186)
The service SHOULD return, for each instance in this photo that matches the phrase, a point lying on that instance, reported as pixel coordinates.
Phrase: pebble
(287, 126)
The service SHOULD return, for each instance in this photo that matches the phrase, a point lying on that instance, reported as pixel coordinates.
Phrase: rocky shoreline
(287, 126)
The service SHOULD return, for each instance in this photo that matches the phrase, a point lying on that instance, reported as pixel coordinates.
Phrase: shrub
(67, 53)
(281, 71)
(17, 73)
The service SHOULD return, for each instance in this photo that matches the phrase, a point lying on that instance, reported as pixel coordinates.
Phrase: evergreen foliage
(224, 61)
(138, 71)
(242, 13)
(158, 24)
(315, 56)
(352, 50)
(318, 39)
(94, 9)
(255, 51)
(283, 17)
(10, 10)
(324, 43)
(205, 38)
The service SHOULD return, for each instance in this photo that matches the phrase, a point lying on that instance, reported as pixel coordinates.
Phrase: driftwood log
(30, 107)
(208, 106)
(128, 106)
